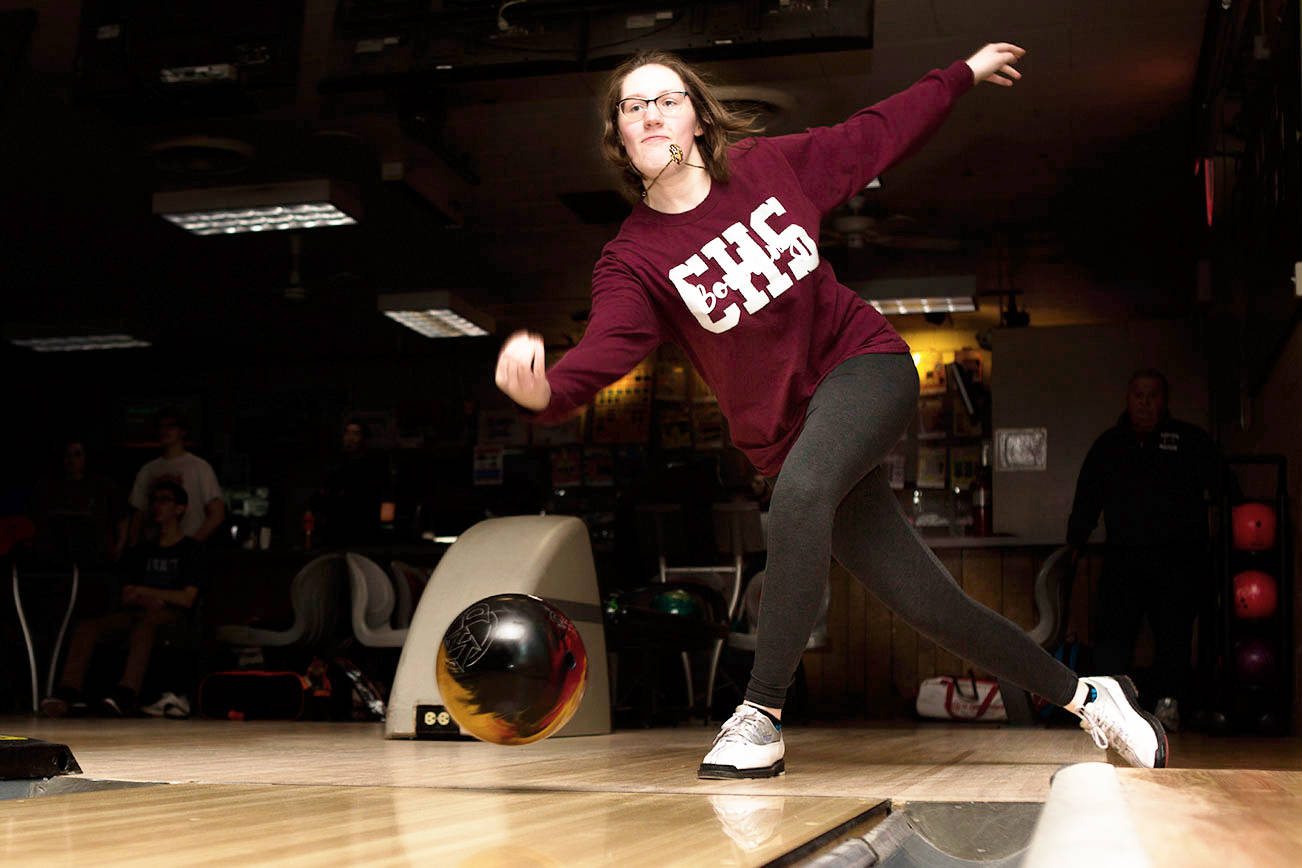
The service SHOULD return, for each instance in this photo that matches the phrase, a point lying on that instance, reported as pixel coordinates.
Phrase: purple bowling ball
(1254, 661)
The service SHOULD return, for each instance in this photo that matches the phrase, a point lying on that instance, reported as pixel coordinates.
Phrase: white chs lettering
(740, 265)
(698, 299)
(804, 252)
(738, 274)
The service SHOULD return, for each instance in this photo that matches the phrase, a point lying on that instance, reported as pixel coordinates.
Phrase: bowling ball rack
(1247, 702)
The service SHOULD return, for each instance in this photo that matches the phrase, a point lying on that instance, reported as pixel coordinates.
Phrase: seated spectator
(161, 584)
(80, 516)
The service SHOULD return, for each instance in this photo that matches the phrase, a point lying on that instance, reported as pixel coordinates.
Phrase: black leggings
(832, 498)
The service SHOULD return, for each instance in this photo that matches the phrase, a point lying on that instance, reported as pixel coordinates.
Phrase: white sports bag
(948, 698)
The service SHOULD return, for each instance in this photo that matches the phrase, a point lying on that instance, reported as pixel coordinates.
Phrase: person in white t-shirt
(189, 471)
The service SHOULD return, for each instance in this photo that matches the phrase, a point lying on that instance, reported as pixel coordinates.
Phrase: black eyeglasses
(668, 102)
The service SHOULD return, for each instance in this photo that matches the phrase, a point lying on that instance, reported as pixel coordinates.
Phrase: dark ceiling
(474, 178)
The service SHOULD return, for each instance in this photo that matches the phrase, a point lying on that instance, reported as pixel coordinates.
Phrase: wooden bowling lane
(934, 763)
(264, 824)
(1216, 817)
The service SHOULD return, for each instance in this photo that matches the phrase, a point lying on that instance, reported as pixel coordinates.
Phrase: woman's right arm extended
(622, 331)
(521, 371)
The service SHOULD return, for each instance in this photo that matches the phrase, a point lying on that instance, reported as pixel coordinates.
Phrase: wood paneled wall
(875, 661)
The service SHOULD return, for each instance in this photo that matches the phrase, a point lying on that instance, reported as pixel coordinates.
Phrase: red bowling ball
(1253, 526)
(1255, 594)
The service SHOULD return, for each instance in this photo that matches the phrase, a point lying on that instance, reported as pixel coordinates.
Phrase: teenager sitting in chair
(161, 583)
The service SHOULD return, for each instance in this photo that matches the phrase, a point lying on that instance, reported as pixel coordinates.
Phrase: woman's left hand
(997, 57)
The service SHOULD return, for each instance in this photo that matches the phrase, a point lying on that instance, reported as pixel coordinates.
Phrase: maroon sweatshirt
(737, 281)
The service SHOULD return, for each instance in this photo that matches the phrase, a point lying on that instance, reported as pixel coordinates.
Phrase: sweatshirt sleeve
(622, 331)
(834, 162)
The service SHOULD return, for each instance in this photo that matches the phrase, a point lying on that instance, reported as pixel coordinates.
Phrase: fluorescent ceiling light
(435, 314)
(901, 306)
(80, 342)
(436, 323)
(198, 74)
(945, 294)
(259, 208)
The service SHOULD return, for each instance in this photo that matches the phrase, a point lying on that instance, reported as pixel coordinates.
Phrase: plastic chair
(373, 598)
(410, 582)
(1053, 596)
(315, 610)
(738, 531)
(73, 575)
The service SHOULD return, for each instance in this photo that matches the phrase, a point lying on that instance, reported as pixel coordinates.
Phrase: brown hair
(720, 127)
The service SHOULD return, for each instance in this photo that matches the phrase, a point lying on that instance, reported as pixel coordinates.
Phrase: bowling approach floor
(339, 794)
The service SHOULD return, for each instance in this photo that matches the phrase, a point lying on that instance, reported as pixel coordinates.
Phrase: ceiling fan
(849, 227)
(324, 285)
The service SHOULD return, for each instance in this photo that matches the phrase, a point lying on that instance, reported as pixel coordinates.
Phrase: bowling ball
(511, 669)
(677, 602)
(1253, 527)
(1255, 594)
(1254, 661)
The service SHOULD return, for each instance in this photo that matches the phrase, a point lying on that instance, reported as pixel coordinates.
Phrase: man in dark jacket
(1152, 477)
(347, 506)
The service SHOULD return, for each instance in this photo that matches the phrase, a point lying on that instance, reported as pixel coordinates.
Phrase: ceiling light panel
(435, 314)
(75, 343)
(262, 208)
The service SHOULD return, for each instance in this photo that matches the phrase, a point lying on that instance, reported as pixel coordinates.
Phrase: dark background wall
(274, 423)
(1071, 380)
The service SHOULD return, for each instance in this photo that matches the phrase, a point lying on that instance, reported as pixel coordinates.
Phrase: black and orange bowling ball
(511, 669)
(1255, 594)
(1253, 527)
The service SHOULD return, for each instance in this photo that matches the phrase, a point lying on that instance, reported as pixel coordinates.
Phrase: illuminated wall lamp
(435, 314)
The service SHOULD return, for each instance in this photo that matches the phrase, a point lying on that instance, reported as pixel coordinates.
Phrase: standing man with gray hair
(1153, 479)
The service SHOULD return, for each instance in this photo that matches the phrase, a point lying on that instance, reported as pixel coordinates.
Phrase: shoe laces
(746, 724)
(1098, 724)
